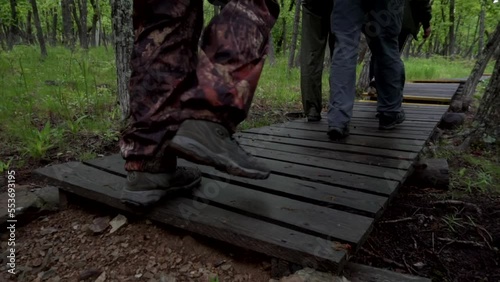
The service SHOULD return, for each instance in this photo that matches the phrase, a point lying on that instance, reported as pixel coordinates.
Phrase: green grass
(66, 105)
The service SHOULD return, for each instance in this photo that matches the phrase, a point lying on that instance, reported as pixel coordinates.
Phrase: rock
(419, 265)
(311, 275)
(436, 135)
(456, 106)
(36, 262)
(50, 197)
(226, 267)
(452, 120)
(99, 224)
(166, 278)
(47, 231)
(89, 273)
(101, 277)
(431, 173)
(117, 222)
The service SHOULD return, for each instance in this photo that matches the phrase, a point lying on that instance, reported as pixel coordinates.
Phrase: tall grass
(66, 105)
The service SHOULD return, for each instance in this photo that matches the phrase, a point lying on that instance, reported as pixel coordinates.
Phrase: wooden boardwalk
(429, 92)
(317, 207)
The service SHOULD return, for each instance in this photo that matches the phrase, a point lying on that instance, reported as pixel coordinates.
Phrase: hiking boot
(144, 189)
(210, 143)
(336, 133)
(387, 121)
(313, 115)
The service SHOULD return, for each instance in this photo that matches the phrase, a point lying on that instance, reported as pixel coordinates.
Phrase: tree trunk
(84, 43)
(13, 35)
(39, 31)
(74, 9)
(480, 66)
(29, 29)
(54, 27)
(121, 13)
(363, 48)
(451, 40)
(296, 24)
(94, 37)
(482, 17)
(487, 119)
(68, 39)
(364, 76)
(272, 52)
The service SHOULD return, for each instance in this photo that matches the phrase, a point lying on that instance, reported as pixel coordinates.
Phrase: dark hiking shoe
(313, 115)
(387, 121)
(336, 133)
(210, 143)
(144, 189)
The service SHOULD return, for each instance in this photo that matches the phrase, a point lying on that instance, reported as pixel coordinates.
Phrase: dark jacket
(417, 13)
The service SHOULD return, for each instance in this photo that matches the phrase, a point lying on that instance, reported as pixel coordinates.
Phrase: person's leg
(383, 30)
(231, 59)
(162, 63)
(315, 33)
(347, 21)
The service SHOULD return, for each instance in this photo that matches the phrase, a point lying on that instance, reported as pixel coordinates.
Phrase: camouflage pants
(176, 76)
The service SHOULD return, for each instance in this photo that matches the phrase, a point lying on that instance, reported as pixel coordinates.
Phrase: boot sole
(196, 152)
(392, 126)
(149, 197)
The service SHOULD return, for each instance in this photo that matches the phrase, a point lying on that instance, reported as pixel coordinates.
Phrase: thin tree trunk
(54, 27)
(74, 9)
(482, 17)
(451, 40)
(363, 48)
(84, 43)
(68, 39)
(272, 52)
(121, 11)
(364, 76)
(296, 24)
(29, 29)
(13, 35)
(480, 66)
(39, 31)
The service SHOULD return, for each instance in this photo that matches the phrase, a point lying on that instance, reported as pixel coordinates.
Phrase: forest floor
(418, 234)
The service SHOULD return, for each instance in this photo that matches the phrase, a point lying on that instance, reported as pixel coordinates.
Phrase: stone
(117, 222)
(452, 120)
(99, 224)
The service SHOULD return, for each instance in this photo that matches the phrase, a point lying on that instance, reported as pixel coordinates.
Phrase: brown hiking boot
(210, 143)
(144, 189)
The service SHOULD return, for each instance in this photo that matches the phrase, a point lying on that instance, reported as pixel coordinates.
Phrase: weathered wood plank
(353, 157)
(375, 132)
(199, 217)
(375, 142)
(398, 156)
(321, 162)
(298, 189)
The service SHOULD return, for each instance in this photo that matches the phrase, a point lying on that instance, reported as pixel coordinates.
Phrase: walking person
(187, 100)
(417, 13)
(381, 21)
(316, 35)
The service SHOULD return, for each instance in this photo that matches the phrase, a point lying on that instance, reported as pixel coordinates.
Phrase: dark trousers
(316, 34)
(381, 22)
(174, 79)
(404, 35)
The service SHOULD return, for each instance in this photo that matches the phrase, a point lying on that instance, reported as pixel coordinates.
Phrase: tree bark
(480, 66)
(482, 17)
(84, 42)
(39, 31)
(68, 39)
(54, 27)
(364, 76)
(451, 40)
(121, 13)
(272, 52)
(296, 24)
(13, 35)
(75, 9)
(487, 119)
(29, 29)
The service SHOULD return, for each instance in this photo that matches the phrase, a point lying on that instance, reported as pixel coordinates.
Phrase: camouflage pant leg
(171, 83)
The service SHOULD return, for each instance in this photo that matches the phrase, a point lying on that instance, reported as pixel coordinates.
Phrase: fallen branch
(451, 241)
(386, 260)
(455, 202)
(398, 220)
